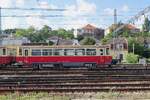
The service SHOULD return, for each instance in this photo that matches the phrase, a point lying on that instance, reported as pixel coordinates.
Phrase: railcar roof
(67, 46)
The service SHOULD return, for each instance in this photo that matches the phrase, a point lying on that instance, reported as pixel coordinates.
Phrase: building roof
(118, 40)
(130, 26)
(89, 27)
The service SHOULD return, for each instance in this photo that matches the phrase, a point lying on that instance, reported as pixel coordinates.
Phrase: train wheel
(90, 65)
(35, 66)
(58, 66)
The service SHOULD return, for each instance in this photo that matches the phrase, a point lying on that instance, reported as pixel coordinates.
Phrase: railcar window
(80, 52)
(58, 52)
(1, 52)
(4, 51)
(47, 52)
(107, 51)
(20, 51)
(91, 52)
(36, 52)
(69, 52)
(101, 51)
(11, 52)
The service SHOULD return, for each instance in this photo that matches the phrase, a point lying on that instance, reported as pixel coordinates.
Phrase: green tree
(138, 47)
(131, 58)
(88, 41)
(107, 38)
(43, 34)
(146, 25)
(9, 31)
(65, 34)
(80, 37)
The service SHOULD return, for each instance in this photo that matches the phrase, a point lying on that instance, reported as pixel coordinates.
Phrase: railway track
(75, 80)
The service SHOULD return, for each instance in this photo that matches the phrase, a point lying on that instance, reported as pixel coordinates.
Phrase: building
(90, 30)
(145, 41)
(119, 48)
(13, 41)
(60, 41)
(130, 27)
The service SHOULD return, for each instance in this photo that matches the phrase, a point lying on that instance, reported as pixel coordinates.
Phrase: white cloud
(85, 7)
(78, 23)
(5, 3)
(125, 8)
(10, 23)
(46, 5)
(74, 13)
(36, 21)
(109, 11)
(20, 2)
(82, 7)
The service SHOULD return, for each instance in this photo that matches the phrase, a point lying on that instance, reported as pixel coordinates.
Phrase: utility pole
(115, 22)
(115, 26)
(133, 46)
(115, 16)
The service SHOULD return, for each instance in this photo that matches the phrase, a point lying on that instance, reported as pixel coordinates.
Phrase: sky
(78, 13)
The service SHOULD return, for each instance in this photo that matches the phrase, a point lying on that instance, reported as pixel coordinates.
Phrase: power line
(48, 9)
(32, 16)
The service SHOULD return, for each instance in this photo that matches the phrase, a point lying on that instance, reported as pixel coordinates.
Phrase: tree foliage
(88, 41)
(132, 58)
(139, 47)
(146, 25)
(43, 34)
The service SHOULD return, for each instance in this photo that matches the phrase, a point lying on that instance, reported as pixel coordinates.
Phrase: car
(63, 56)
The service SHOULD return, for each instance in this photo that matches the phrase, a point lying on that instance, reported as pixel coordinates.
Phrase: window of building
(69, 52)
(36, 52)
(91, 52)
(80, 52)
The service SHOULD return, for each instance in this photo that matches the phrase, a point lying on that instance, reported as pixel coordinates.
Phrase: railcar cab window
(47, 52)
(58, 52)
(2, 51)
(101, 51)
(36, 52)
(91, 52)
(80, 52)
(69, 52)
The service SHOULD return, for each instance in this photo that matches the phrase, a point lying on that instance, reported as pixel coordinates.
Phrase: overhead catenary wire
(48, 9)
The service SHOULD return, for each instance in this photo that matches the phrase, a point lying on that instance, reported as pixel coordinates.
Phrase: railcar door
(26, 56)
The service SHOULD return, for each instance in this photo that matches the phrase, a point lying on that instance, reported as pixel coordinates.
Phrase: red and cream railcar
(6, 56)
(58, 56)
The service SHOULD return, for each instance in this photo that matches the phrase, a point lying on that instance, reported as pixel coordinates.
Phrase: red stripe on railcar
(6, 59)
(44, 59)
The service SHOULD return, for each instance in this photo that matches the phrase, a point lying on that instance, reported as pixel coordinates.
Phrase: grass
(78, 96)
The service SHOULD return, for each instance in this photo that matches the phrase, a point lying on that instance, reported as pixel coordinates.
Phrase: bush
(132, 58)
